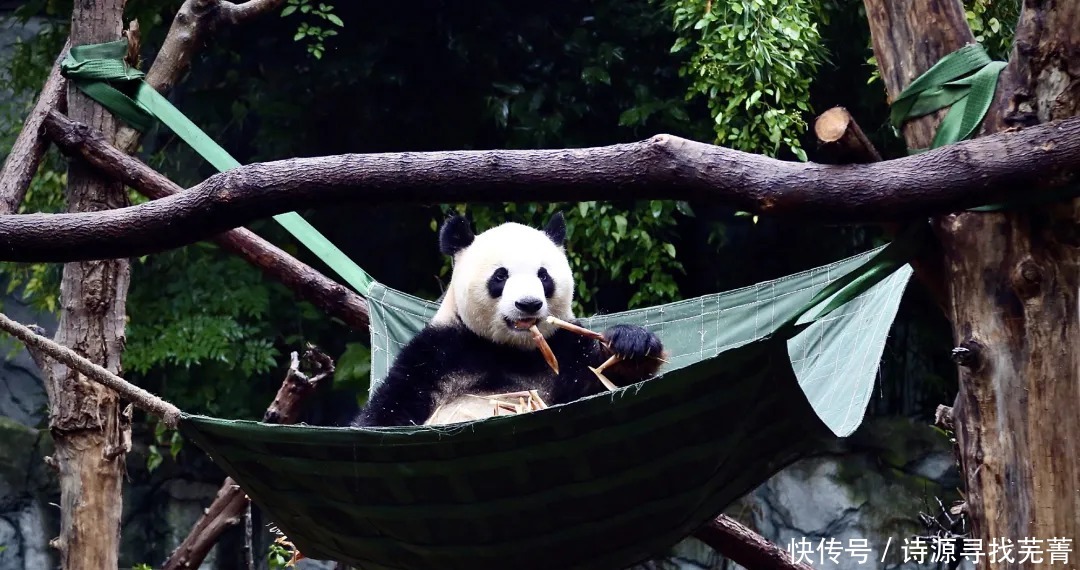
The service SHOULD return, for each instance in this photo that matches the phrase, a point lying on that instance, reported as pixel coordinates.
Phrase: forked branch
(230, 502)
(190, 27)
(954, 177)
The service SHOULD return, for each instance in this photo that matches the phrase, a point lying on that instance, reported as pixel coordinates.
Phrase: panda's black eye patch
(497, 281)
(547, 281)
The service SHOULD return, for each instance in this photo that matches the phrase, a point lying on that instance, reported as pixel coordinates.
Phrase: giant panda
(478, 343)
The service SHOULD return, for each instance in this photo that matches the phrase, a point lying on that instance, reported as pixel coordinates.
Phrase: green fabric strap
(965, 80)
(93, 69)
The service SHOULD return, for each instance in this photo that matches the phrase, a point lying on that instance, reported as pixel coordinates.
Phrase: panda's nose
(529, 304)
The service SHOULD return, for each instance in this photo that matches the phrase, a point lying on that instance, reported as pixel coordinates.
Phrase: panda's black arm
(635, 345)
(407, 395)
(395, 402)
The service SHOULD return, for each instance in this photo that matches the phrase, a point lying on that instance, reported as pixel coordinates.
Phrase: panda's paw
(632, 341)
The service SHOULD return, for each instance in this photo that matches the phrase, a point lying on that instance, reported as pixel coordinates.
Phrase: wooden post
(92, 435)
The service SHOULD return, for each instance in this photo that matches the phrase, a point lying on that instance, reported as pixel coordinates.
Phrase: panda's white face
(510, 278)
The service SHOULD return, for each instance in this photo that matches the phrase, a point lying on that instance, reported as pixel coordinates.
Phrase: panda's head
(507, 279)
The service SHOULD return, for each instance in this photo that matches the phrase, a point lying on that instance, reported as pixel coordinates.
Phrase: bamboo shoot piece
(542, 344)
(576, 329)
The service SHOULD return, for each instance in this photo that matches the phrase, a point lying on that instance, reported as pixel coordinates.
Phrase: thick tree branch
(745, 547)
(946, 179)
(193, 21)
(228, 506)
(222, 514)
(25, 157)
(241, 13)
(331, 297)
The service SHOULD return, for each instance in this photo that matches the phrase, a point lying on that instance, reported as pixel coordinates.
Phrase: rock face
(851, 508)
(27, 487)
(22, 393)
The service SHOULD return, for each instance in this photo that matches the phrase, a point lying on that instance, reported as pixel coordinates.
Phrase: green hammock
(757, 377)
(601, 483)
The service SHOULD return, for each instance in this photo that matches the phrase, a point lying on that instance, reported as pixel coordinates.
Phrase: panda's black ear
(556, 228)
(455, 235)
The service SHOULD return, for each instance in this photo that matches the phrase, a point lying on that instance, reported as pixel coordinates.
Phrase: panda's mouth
(521, 324)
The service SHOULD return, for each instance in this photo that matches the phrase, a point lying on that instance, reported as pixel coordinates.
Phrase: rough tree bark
(92, 435)
(1012, 281)
(1016, 411)
(957, 176)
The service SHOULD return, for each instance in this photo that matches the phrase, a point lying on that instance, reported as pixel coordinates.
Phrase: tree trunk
(1015, 414)
(91, 434)
(1012, 281)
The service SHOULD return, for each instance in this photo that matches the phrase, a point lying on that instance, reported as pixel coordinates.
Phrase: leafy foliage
(315, 33)
(994, 23)
(754, 62)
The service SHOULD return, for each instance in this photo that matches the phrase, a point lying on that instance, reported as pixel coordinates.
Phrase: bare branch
(222, 514)
(193, 22)
(954, 177)
(746, 547)
(230, 503)
(173, 59)
(241, 13)
(169, 413)
(25, 157)
(306, 282)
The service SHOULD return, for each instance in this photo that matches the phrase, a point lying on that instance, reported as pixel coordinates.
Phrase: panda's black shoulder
(439, 340)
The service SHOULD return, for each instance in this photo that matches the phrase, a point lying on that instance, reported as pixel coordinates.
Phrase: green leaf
(288, 10)
(670, 249)
(620, 224)
(335, 20)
